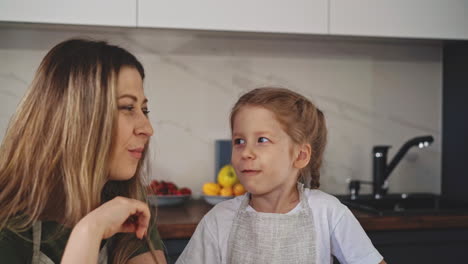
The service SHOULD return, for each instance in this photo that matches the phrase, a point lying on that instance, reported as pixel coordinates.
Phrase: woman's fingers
(135, 224)
(123, 215)
(117, 215)
(139, 218)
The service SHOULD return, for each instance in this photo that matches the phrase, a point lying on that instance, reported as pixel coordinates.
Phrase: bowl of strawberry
(166, 193)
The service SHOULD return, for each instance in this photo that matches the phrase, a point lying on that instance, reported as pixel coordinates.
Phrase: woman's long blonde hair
(55, 154)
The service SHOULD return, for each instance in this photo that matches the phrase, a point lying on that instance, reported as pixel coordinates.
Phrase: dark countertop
(179, 222)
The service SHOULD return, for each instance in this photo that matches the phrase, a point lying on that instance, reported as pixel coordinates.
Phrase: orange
(238, 189)
(226, 191)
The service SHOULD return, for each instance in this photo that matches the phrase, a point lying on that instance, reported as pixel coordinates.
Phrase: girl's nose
(247, 153)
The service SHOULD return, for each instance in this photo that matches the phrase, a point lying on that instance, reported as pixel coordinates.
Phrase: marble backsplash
(372, 91)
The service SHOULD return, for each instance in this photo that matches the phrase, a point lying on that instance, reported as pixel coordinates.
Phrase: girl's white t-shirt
(338, 233)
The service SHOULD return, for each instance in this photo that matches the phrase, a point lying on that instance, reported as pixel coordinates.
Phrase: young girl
(278, 139)
(72, 160)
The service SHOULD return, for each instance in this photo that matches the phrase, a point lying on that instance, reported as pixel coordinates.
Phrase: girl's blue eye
(238, 141)
(263, 140)
(145, 111)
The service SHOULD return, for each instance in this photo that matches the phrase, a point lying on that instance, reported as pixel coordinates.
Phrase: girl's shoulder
(323, 203)
(322, 196)
(226, 208)
(220, 217)
(224, 211)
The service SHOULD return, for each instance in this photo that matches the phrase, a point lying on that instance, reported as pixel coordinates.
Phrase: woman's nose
(144, 127)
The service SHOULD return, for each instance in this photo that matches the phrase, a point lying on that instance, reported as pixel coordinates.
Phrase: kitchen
(376, 87)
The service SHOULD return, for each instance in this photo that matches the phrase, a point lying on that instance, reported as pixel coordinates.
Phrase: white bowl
(214, 199)
(167, 200)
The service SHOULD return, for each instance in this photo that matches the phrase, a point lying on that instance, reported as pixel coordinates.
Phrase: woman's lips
(136, 153)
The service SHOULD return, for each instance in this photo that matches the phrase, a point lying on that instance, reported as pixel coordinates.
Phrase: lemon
(211, 188)
(227, 176)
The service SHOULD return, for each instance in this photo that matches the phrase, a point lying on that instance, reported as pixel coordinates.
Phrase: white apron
(257, 237)
(41, 258)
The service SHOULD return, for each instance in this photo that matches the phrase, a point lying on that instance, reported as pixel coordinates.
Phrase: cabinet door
(293, 16)
(442, 19)
(84, 12)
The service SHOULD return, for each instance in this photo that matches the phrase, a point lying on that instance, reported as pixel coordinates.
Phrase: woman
(72, 161)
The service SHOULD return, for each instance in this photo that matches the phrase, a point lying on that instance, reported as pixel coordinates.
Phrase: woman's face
(133, 126)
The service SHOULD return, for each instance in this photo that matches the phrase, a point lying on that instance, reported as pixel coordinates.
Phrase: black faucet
(381, 170)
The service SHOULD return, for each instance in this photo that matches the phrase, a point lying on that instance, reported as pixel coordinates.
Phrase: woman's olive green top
(16, 248)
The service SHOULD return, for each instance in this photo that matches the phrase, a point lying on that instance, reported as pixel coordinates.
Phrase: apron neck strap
(37, 233)
(302, 199)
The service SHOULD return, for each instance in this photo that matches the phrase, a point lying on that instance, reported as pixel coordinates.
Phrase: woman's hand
(120, 215)
(117, 215)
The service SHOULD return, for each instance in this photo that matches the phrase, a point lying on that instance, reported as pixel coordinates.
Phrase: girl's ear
(303, 156)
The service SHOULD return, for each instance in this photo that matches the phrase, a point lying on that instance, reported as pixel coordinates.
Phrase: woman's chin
(122, 176)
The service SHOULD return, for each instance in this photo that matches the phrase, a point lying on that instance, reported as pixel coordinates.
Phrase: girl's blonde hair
(299, 118)
(55, 154)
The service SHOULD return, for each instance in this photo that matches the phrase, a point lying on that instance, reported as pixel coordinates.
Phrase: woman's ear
(303, 156)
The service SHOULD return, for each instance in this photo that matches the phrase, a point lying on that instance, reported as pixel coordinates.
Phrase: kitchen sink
(405, 204)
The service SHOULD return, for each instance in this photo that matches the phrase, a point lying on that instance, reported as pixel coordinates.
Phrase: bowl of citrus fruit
(226, 187)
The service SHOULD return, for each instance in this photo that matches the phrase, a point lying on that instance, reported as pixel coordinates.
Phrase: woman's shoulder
(15, 247)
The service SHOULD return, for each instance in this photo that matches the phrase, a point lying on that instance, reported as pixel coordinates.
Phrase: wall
(372, 91)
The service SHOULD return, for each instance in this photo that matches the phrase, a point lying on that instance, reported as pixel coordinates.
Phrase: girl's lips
(250, 172)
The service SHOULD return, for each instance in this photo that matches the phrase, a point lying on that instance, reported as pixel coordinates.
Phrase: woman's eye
(263, 140)
(127, 108)
(238, 141)
(131, 108)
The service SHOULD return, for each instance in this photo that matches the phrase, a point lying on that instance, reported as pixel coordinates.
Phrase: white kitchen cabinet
(293, 16)
(82, 12)
(441, 19)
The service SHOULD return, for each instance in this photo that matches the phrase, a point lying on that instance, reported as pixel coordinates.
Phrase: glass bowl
(167, 200)
(214, 199)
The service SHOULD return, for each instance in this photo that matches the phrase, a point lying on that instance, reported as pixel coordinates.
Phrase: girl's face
(262, 152)
(133, 126)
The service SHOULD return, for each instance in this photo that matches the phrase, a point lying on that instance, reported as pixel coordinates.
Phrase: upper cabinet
(441, 19)
(438, 19)
(294, 16)
(82, 12)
